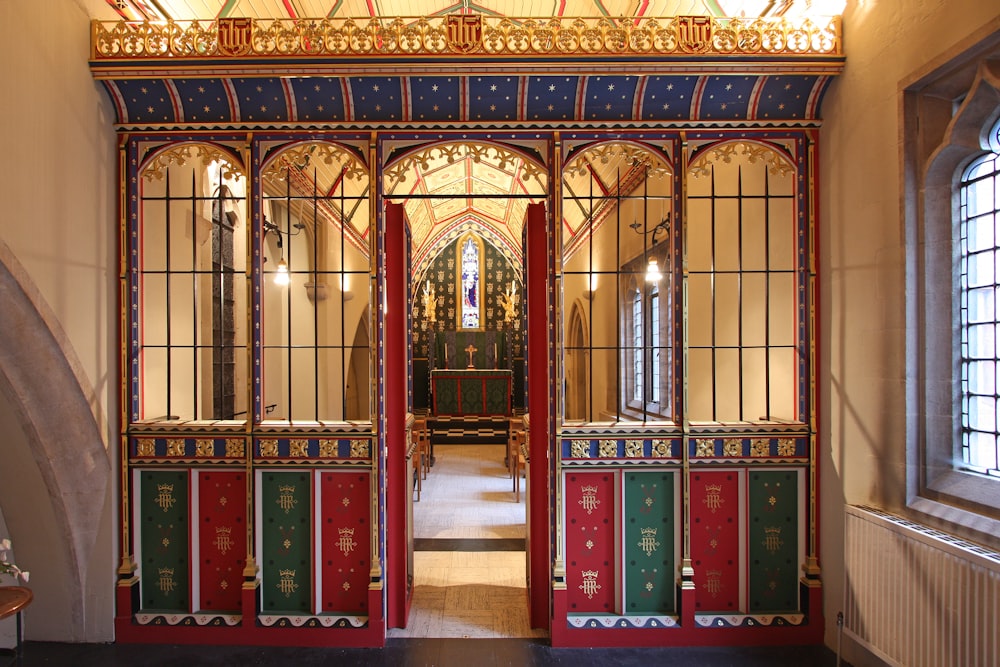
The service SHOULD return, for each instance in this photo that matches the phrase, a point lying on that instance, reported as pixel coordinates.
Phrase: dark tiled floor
(419, 652)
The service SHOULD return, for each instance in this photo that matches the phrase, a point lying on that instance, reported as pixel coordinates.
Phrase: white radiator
(917, 597)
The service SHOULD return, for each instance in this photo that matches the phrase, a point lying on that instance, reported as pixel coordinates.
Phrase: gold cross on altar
(471, 350)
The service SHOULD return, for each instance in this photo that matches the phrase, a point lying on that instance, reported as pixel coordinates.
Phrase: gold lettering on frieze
(204, 447)
(175, 446)
(298, 448)
(465, 32)
(234, 36)
(694, 33)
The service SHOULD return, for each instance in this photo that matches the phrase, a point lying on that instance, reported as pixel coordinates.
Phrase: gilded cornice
(467, 36)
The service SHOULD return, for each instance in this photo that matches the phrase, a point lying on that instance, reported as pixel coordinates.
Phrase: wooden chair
(517, 465)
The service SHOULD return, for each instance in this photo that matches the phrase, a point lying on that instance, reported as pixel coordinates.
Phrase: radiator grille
(918, 597)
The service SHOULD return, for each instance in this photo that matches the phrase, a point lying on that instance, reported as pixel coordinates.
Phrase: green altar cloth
(470, 391)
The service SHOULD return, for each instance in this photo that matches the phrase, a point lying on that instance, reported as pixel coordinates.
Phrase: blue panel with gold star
(434, 98)
(493, 97)
(204, 100)
(261, 100)
(551, 98)
(147, 100)
(318, 99)
(609, 97)
(726, 97)
(668, 97)
(376, 98)
(787, 97)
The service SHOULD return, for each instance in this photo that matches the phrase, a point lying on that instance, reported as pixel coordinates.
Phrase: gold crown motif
(773, 530)
(588, 489)
(285, 574)
(223, 530)
(166, 571)
(169, 488)
(286, 488)
(713, 488)
(347, 532)
(589, 574)
(648, 531)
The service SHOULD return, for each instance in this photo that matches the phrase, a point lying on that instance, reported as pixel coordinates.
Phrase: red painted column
(394, 386)
(537, 293)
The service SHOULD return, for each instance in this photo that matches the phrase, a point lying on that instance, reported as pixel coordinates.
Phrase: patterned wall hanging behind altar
(436, 309)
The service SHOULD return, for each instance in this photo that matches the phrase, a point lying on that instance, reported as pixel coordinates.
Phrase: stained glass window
(471, 252)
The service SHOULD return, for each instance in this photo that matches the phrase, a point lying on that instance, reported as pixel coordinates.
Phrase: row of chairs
(516, 445)
(421, 453)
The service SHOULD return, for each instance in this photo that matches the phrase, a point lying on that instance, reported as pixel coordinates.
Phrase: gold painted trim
(496, 36)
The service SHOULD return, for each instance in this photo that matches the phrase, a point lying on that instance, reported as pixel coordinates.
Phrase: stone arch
(51, 400)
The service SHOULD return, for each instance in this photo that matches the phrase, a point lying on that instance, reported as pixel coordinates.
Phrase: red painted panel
(538, 253)
(394, 388)
(715, 540)
(346, 542)
(591, 579)
(222, 534)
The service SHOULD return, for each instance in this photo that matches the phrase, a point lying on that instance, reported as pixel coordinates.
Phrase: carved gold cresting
(179, 155)
(499, 157)
(496, 35)
(777, 164)
(610, 153)
(301, 156)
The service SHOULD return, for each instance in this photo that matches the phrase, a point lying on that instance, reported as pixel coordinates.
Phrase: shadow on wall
(55, 478)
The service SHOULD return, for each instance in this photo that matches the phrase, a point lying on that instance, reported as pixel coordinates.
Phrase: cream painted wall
(861, 258)
(57, 184)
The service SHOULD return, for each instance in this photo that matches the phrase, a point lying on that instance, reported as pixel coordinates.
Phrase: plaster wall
(58, 252)
(861, 258)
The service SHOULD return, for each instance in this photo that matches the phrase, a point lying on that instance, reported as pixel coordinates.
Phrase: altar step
(468, 430)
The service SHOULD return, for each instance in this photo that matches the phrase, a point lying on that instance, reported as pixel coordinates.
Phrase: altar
(470, 392)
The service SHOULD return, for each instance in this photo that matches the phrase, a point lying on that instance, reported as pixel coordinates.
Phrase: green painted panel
(649, 543)
(163, 504)
(773, 534)
(286, 558)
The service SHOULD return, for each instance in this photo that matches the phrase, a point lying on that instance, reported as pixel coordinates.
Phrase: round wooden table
(13, 600)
